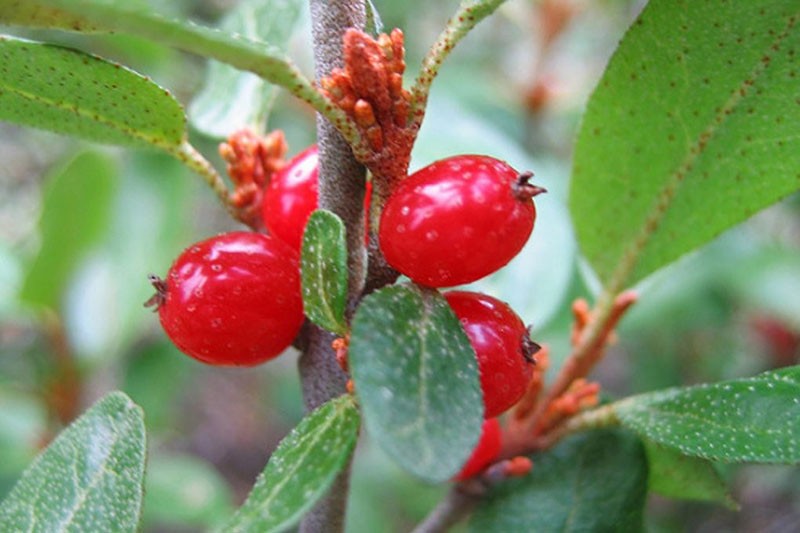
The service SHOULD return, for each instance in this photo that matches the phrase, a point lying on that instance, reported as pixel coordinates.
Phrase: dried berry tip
(524, 190)
(529, 347)
(161, 292)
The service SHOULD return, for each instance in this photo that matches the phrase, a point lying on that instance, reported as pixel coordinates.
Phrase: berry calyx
(486, 451)
(232, 300)
(502, 346)
(291, 196)
(457, 220)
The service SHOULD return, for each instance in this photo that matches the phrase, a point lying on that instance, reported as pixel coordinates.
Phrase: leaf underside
(89, 479)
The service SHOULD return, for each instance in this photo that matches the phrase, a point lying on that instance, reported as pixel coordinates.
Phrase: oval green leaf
(73, 93)
(302, 468)
(596, 481)
(230, 98)
(744, 420)
(692, 129)
(323, 269)
(134, 18)
(679, 476)
(75, 215)
(89, 479)
(416, 377)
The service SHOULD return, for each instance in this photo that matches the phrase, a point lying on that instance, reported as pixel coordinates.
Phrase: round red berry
(485, 452)
(291, 196)
(233, 299)
(457, 220)
(501, 344)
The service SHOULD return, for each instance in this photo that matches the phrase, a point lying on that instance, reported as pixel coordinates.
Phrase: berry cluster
(235, 299)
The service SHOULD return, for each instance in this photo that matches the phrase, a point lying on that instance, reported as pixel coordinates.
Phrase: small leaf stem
(469, 14)
(594, 419)
(189, 156)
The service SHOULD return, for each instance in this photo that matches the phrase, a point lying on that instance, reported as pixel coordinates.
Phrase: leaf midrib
(621, 274)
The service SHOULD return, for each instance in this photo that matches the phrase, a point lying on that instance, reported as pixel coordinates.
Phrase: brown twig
(341, 190)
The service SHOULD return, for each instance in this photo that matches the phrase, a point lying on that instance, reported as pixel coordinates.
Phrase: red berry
(501, 344)
(291, 196)
(457, 220)
(233, 299)
(485, 452)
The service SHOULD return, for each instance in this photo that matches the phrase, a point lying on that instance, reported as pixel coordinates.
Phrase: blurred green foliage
(726, 311)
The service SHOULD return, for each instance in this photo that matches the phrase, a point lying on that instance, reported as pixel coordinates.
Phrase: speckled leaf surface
(596, 481)
(134, 18)
(67, 232)
(89, 479)
(73, 93)
(232, 99)
(323, 268)
(683, 477)
(745, 420)
(416, 377)
(692, 129)
(301, 469)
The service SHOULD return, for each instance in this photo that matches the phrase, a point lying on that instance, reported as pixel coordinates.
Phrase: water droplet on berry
(405, 210)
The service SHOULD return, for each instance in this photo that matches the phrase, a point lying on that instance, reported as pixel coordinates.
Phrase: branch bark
(341, 190)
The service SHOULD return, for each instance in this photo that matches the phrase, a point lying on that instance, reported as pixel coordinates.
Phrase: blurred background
(82, 225)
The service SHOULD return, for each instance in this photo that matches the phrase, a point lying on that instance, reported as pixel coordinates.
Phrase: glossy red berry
(457, 220)
(501, 344)
(233, 299)
(291, 196)
(485, 452)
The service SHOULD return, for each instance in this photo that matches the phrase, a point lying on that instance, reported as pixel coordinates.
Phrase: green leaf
(89, 479)
(181, 490)
(324, 271)
(596, 481)
(73, 93)
(416, 377)
(692, 129)
(230, 98)
(120, 16)
(302, 468)
(75, 214)
(675, 475)
(752, 420)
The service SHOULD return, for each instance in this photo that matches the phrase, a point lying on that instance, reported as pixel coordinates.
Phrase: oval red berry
(456, 220)
(291, 196)
(485, 452)
(501, 344)
(233, 299)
